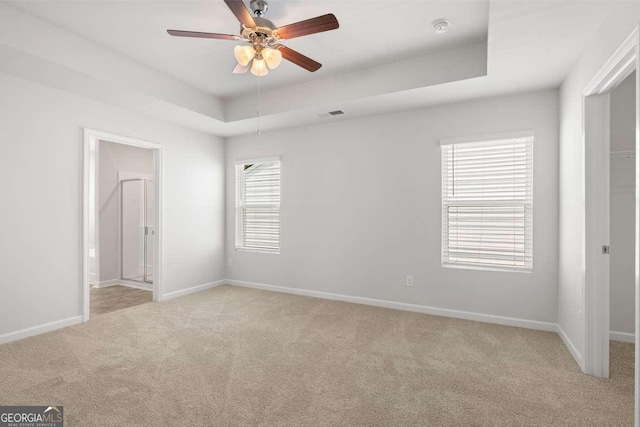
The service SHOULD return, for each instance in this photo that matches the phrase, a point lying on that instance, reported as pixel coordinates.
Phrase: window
(487, 203)
(258, 205)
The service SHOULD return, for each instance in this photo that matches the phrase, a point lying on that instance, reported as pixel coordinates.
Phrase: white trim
(138, 285)
(124, 175)
(120, 139)
(597, 233)
(479, 317)
(96, 210)
(570, 346)
(40, 329)
(105, 283)
(91, 138)
(458, 314)
(59, 324)
(193, 289)
(124, 282)
(258, 160)
(259, 251)
(481, 267)
(619, 66)
(595, 214)
(90, 145)
(158, 260)
(622, 336)
(489, 137)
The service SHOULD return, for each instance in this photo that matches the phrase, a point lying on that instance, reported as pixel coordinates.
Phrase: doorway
(622, 253)
(597, 296)
(123, 223)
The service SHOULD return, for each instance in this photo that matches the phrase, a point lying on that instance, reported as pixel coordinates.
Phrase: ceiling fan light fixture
(259, 68)
(262, 35)
(273, 57)
(244, 54)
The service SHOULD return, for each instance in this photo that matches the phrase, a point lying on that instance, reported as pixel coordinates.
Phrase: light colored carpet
(233, 356)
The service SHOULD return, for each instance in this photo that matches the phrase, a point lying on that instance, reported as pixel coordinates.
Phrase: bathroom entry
(122, 224)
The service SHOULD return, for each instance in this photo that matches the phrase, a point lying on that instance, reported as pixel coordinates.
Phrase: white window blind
(258, 205)
(487, 204)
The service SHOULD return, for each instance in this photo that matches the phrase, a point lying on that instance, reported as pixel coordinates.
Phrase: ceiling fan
(264, 38)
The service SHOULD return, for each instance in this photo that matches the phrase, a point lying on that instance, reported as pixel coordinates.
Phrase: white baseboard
(40, 329)
(48, 327)
(488, 318)
(138, 285)
(105, 283)
(191, 290)
(124, 282)
(622, 336)
(479, 317)
(572, 348)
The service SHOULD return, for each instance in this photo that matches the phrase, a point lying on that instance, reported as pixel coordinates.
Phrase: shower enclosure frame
(146, 229)
(91, 208)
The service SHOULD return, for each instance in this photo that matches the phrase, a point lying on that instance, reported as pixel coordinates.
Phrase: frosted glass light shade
(244, 54)
(259, 68)
(273, 57)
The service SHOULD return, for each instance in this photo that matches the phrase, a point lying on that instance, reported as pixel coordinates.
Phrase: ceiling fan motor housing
(259, 7)
(263, 28)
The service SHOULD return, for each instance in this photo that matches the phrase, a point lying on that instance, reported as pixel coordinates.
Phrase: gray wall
(361, 208)
(41, 174)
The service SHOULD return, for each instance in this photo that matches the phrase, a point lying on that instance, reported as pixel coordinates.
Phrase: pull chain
(259, 77)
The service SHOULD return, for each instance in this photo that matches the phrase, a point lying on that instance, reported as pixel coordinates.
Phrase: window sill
(259, 251)
(488, 268)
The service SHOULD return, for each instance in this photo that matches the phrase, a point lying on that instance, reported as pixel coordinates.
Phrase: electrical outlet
(229, 262)
(409, 280)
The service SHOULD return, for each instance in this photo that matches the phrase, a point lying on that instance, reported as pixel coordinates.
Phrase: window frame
(486, 138)
(239, 230)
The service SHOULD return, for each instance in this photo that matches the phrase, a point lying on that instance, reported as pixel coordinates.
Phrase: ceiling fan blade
(241, 69)
(310, 26)
(241, 12)
(180, 33)
(299, 59)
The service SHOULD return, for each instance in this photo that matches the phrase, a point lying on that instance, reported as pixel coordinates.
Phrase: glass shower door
(136, 202)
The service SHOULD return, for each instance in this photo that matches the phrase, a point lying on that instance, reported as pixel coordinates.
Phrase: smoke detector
(441, 25)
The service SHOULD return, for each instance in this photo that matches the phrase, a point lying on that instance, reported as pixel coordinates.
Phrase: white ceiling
(119, 52)
(371, 32)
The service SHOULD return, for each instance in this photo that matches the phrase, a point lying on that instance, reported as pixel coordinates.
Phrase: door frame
(91, 176)
(596, 194)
